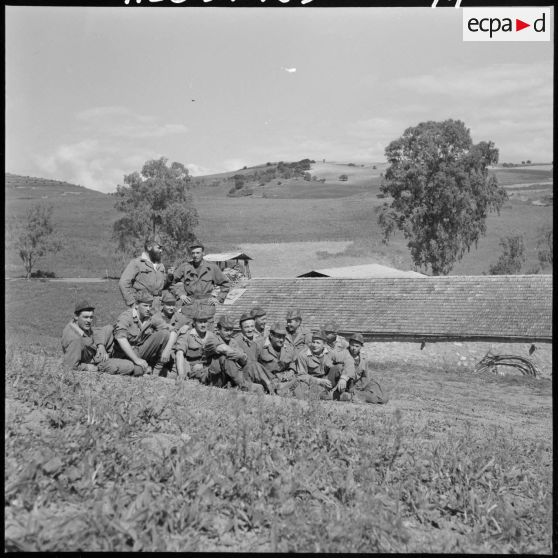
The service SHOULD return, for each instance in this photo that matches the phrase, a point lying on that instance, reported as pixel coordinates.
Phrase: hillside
(333, 223)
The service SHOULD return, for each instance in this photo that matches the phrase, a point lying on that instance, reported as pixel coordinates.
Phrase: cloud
(289, 70)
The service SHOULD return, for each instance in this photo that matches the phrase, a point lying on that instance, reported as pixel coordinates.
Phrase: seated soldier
(260, 327)
(176, 323)
(322, 371)
(249, 344)
(362, 387)
(333, 340)
(139, 339)
(229, 365)
(277, 359)
(298, 337)
(84, 346)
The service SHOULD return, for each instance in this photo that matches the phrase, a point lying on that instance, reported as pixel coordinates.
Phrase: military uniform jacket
(339, 344)
(317, 366)
(250, 347)
(273, 361)
(141, 274)
(299, 341)
(129, 326)
(199, 283)
(196, 348)
(177, 322)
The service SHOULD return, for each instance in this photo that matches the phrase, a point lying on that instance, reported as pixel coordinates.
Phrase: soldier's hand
(236, 354)
(90, 368)
(165, 356)
(185, 299)
(324, 382)
(170, 270)
(341, 385)
(142, 363)
(101, 355)
(213, 300)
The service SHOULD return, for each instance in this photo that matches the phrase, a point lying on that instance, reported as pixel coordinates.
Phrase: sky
(92, 93)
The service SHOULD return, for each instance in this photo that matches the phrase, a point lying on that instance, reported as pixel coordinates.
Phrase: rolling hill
(332, 222)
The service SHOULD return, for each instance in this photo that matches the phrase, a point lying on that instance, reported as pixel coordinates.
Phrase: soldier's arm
(182, 365)
(72, 355)
(222, 281)
(301, 369)
(166, 352)
(126, 283)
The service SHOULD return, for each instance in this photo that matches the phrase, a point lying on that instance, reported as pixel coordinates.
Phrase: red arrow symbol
(519, 25)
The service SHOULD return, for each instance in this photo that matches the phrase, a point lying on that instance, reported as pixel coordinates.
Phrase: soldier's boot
(345, 396)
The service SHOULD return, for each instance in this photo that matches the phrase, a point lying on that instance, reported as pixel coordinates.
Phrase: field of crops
(455, 462)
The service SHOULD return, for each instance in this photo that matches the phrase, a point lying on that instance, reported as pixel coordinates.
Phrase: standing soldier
(145, 273)
(84, 346)
(196, 283)
(333, 340)
(362, 387)
(298, 337)
(259, 315)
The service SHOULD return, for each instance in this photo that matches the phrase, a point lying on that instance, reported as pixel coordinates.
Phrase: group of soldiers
(169, 330)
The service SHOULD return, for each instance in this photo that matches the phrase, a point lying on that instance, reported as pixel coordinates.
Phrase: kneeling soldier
(322, 371)
(362, 387)
(139, 339)
(84, 346)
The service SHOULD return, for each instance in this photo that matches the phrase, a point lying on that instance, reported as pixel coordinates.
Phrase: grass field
(455, 462)
(303, 212)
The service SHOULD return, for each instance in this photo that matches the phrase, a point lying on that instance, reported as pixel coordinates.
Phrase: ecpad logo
(506, 24)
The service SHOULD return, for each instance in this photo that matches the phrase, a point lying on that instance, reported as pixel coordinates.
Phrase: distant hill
(29, 187)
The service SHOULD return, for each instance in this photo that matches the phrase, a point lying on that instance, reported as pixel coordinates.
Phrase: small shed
(237, 260)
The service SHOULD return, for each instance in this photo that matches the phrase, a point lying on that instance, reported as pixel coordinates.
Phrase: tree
(35, 236)
(512, 257)
(156, 201)
(441, 192)
(343, 177)
(545, 244)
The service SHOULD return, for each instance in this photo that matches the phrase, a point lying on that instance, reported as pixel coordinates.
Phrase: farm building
(361, 272)
(231, 259)
(501, 308)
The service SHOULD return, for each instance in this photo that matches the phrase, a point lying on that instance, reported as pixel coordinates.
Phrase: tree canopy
(441, 192)
(156, 201)
(35, 236)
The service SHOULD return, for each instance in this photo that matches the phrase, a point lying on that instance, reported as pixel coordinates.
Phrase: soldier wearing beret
(139, 339)
(198, 283)
(145, 273)
(276, 358)
(298, 336)
(84, 346)
(261, 330)
(322, 371)
(333, 340)
(363, 387)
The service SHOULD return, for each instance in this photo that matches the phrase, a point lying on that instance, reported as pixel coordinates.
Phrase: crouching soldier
(277, 359)
(176, 323)
(363, 387)
(139, 340)
(298, 337)
(321, 371)
(84, 346)
(333, 340)
(230, 365)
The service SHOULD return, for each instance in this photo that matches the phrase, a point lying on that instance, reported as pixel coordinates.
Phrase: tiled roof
(501, 307)
(226, 256)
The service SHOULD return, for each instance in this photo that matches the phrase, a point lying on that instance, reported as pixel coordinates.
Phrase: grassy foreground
(115, 464)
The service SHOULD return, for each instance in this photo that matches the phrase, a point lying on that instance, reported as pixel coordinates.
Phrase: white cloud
(289, 70)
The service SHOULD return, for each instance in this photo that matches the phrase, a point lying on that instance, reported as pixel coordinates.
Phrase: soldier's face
(144, 310)
(277, 341)
(293, 325)
(331, 336)
(155, 253)
(197, 255)
(226, 333)
(247, 327)
(317, 346)
(354, 348)
(260, 322)
(84, 319)
(168, 309)
(200, 326)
